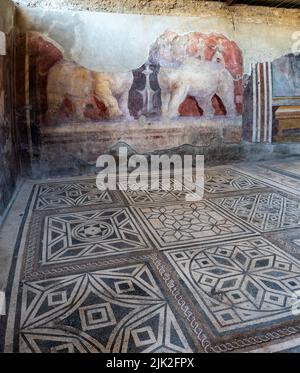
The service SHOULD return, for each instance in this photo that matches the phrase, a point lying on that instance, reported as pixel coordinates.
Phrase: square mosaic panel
(186, 223)
(240, 284)
(264, 211)
(228, 180)
(113, 310)
(72, 194)
(90, 234)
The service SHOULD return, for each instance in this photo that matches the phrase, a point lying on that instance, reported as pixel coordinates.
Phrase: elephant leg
(54, 110)
(178, 96)
(112, 105)
(123, 104)
(79, 107)
(55, 102)
(206, 104)
(104, 93)
(228, 101)
(165, 100)
(226, 93)
(54, 107)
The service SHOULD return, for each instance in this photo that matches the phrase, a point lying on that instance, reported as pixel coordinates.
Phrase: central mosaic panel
(91, 234)
(188, 223)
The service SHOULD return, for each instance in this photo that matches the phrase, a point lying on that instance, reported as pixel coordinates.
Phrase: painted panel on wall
(194, 74)
(153, 82)
(270, 85)
(286, 76)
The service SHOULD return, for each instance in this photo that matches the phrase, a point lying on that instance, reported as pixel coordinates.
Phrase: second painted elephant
(200, 79)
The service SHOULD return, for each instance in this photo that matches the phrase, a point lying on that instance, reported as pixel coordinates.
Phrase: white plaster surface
(2, 44)
(7, 14)
(121, 42)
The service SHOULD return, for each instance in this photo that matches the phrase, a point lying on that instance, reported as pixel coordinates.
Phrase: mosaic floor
(148, 271)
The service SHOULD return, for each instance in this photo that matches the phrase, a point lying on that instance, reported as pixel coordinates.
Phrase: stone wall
(9, 160)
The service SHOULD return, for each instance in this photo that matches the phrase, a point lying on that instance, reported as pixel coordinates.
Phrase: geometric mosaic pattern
(81, 193)
(86, 235)
(149, 271)
(176, 192)
(112, 310)
(264, 211)
(228, 180)
(240, 284)
(187, 223)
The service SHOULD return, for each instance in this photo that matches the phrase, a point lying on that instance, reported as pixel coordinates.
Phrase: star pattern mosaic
(178, 224)
(240, 284)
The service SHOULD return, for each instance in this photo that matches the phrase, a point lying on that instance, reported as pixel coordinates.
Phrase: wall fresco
(208, 67)
(271, 85)
(152, 82)
(189, 75)
(286, 76)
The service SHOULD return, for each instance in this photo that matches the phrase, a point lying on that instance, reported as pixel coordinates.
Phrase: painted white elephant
(78, 84)
(200, 79)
